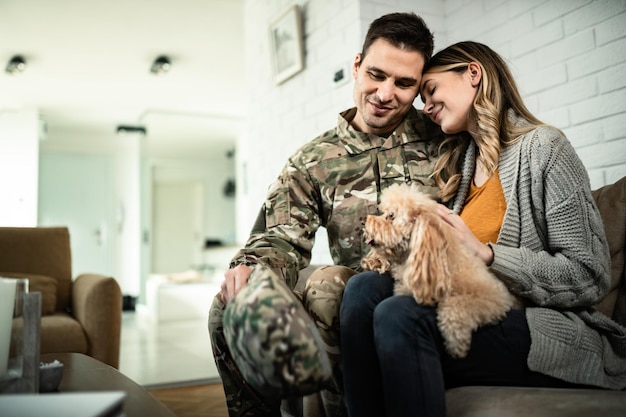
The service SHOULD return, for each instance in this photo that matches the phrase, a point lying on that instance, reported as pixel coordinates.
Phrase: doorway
(177, 225)
(75, 190)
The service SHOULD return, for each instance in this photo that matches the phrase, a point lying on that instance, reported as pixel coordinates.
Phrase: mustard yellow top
(484, 209)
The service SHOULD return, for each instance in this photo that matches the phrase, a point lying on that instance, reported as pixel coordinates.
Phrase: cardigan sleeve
(558, 255)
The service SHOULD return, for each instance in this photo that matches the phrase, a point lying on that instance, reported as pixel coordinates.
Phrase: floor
(194, 401)
(166, 353)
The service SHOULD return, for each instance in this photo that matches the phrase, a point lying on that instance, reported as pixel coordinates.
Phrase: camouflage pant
(267, 308)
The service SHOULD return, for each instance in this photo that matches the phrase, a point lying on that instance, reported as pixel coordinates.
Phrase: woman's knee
(367, 289)
(402, 314)
(363, 292)
(370, 283)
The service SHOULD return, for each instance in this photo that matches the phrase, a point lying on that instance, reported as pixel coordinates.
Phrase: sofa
(485, 401)
(82, 315)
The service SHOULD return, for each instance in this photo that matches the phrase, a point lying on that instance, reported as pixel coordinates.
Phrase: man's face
(387, 81)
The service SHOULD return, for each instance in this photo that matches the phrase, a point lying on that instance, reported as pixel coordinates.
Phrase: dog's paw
(375, 263)
(370, 265)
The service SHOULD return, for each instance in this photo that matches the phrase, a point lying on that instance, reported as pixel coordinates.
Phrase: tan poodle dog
(410, 241)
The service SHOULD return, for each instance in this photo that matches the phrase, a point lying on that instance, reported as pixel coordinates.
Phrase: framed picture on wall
(286, 44)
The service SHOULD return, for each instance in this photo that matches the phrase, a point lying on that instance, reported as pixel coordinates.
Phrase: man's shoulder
(420, 127)
(326, 145)
(327, 139)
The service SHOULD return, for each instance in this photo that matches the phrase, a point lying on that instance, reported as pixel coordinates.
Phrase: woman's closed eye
(427, 93)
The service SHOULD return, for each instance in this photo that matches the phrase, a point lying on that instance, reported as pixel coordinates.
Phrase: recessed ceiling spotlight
(128, 130)
(161, 65)
(16, 65)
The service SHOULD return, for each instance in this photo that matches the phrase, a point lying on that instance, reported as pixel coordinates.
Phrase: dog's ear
(426, 272)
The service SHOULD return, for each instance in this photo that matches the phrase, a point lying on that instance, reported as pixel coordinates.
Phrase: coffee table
(84, 373)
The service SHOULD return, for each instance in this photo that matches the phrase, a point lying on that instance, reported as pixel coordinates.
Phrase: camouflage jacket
(335, 181)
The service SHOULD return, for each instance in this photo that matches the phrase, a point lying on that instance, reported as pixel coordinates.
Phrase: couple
(525, 209)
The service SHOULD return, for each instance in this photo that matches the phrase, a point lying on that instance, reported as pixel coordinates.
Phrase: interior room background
(569, 57)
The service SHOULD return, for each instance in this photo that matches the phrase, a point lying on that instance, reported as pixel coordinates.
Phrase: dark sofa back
(611, 200)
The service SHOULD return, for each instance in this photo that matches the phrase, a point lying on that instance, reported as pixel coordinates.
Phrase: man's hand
(234, 280)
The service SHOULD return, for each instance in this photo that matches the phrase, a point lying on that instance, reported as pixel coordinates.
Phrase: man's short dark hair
(404, 31)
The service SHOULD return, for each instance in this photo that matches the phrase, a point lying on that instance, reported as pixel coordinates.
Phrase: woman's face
(449, 97)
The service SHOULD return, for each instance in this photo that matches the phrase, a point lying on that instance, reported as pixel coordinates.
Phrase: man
(267, 346)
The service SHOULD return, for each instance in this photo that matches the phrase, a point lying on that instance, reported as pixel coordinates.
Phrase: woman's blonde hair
(497, 94)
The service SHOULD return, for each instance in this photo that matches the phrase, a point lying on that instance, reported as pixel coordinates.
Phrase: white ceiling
(88, 67)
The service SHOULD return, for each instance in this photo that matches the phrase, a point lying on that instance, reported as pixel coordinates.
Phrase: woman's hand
(234, 280)
(465, 235)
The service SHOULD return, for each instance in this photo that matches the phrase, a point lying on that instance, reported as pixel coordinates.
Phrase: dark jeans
(395, 363)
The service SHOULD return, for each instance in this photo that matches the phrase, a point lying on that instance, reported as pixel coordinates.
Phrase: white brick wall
(569, 57)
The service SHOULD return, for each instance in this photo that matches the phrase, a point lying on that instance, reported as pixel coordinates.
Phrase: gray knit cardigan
(552, 250)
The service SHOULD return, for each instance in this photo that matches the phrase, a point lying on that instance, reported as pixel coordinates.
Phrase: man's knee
(216, 315)
(273, 340)
(323, 293)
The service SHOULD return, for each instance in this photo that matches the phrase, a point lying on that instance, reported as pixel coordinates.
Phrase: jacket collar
(412, 129)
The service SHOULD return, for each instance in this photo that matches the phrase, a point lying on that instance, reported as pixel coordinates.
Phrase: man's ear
(356, 64)
(475, 73)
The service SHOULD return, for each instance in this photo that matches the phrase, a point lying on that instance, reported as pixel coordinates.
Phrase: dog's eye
(391, 215)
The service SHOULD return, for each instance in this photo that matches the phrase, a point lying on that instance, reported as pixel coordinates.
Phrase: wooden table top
(84, 373)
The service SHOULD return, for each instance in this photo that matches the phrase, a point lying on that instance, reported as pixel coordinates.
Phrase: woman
(521, 202)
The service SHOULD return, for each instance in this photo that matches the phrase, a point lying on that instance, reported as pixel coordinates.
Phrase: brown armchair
(82, 315)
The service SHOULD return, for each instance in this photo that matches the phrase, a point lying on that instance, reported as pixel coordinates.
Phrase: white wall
(284, 117)
(128, 213)
(569, 57)
(19, 169)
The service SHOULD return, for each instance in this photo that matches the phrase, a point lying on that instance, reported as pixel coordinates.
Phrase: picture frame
(286, 44)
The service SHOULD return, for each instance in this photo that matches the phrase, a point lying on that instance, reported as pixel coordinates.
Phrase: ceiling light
(161, 65)
(16, 65)
(127, 130)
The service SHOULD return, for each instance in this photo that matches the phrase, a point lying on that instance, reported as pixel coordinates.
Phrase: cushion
(61, 332)
(273, 340)
(42, 251)
(47, 286)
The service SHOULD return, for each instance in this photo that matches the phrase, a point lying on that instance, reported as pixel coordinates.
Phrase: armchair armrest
(97, 305)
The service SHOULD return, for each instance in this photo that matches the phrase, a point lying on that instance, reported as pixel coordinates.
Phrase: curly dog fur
(410, 241)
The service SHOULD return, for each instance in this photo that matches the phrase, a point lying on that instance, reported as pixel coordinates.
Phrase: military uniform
(265, 339)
